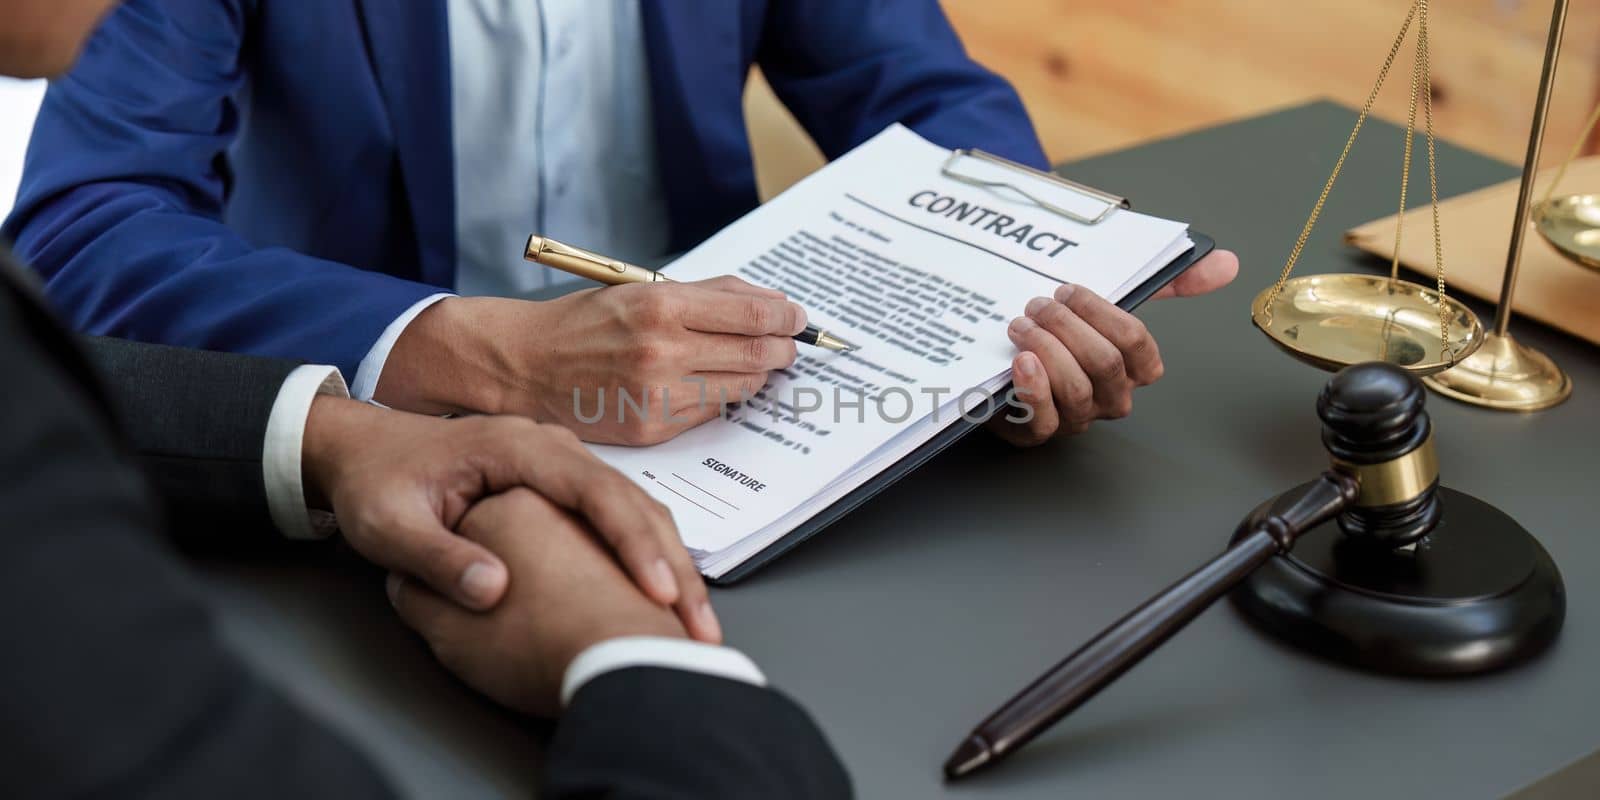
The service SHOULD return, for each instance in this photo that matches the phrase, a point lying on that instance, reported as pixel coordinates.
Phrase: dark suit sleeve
(198, 420)
(848, 69)
(115, 682)
(646, 733)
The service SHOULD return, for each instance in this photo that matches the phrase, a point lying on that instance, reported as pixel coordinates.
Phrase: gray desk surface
(904, 624)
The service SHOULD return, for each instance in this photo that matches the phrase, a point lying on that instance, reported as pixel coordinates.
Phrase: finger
(746, 314)
(419, 607)
(729, 283)
(1208, 275)
(1069, 384)
(691, 603)
(454, 566)
(1099, 358)
(649, 550)
(1140, 357)
(654, 556)
(694, 610)
(638, 530)
(724, 352)
(552, 462)
(718, 389)
(621, 514)
(1032, 388)
(676, 421)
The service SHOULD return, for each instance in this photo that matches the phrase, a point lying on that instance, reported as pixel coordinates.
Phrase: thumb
(451, 565)
(419, 607)
(1211, 273)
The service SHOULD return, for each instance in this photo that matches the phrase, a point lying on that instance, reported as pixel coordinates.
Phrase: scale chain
(1421, 83)
(1433, 180)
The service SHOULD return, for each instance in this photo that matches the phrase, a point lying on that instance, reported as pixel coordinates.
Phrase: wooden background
(1098, 75)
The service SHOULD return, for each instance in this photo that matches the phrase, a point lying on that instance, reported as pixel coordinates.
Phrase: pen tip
(829, 341)
(968, 757)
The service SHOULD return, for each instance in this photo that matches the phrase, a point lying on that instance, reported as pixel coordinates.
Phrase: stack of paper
(925, 272)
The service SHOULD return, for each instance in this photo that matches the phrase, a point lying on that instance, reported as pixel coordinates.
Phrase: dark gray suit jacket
(115, 684)
(198, 421)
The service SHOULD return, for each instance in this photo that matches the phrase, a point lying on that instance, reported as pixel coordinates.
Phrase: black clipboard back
(958, 429)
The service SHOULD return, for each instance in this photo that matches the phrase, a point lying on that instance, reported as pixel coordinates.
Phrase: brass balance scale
(1332, 321)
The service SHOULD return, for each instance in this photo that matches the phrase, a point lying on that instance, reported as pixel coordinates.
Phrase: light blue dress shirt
(550, 109)
(553, 135)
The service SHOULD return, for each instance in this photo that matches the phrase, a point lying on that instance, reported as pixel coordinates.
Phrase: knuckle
(752, 383)
(1081, 299)
(758, 353)
(663, 517)
(658, 400)
(759, 315)
(1133, 331)
(1054, 315)
(646, 433)
(369, 522)
(1101, 363)
(655, 309)
(1077, 390)
(1120, 407)
(562, 436)
(650, 354)
(511, 427)
(1078, 405)
(1157, 369)
(1141, 346)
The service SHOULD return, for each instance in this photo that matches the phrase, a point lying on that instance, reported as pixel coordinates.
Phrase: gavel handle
(1116, 649)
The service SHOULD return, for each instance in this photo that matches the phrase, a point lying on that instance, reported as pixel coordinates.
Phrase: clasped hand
(401, 484)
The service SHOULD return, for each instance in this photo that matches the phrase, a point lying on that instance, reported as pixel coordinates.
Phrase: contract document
(924, 272)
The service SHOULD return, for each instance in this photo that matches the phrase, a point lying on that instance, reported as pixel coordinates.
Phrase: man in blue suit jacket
(310, 180)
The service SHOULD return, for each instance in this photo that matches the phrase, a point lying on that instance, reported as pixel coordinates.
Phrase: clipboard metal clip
(951, 169)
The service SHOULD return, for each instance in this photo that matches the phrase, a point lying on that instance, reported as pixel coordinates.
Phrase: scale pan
(1333, 321)
(1571, 225)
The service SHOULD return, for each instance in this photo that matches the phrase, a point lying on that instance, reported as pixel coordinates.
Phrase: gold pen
(610, 271)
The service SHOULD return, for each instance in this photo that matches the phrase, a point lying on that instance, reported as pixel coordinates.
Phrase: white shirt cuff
(371, 367)
(658, 651)
(280, 456)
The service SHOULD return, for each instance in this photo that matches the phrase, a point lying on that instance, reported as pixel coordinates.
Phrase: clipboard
(1095, 206)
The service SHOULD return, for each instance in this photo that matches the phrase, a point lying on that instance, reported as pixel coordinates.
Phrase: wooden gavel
(1382, 486)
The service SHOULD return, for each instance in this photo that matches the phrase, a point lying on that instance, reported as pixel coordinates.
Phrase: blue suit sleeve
(847, 69)
(121, 204)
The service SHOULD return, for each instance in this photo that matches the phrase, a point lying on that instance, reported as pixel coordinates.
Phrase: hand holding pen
(610, 271)
(678, 350)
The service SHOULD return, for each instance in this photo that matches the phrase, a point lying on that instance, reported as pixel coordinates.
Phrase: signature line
(708, 494)
(691, 500)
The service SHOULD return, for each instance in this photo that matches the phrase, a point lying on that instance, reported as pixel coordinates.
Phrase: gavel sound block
(1372, 563)
(1411, 577)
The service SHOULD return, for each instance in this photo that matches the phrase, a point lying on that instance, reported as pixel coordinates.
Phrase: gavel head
(1376, 431)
